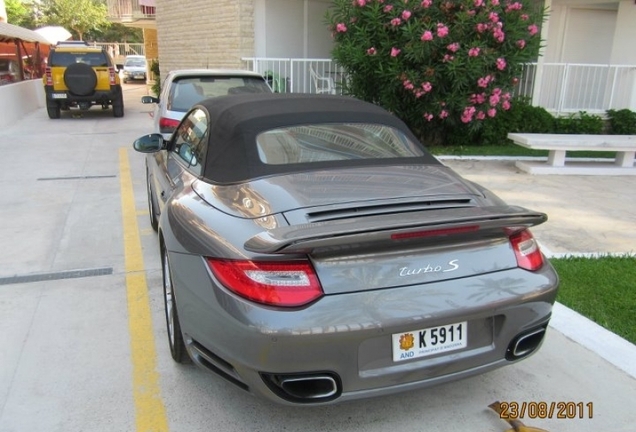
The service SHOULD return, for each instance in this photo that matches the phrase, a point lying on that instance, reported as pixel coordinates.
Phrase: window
(191, 141)
(186, 92)
(331, 142)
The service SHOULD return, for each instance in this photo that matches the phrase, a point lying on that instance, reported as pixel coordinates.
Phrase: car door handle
(163, 194)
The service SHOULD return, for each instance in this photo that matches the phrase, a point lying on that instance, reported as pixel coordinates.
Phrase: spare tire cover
(80, 79)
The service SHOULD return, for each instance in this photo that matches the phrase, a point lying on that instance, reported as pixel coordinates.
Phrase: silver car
(183, 88)
(314, 252)
(135, 68)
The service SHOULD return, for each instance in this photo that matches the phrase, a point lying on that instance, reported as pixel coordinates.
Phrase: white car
(135, 68)
(181, 89)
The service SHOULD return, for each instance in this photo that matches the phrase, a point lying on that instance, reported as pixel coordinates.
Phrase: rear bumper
(348, 336)
(65, 96)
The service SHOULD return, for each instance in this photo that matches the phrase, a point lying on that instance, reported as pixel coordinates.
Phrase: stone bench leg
(625, 159)
(556, 158)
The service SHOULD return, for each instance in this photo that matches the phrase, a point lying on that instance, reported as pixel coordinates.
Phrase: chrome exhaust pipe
(525, 344)
(310, 387)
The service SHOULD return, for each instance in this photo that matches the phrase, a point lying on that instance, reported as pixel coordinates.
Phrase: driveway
(83, 335)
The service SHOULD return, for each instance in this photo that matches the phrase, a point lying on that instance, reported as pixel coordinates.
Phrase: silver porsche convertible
(315, 252)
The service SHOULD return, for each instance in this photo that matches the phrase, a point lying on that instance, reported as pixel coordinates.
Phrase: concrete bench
(558, 144)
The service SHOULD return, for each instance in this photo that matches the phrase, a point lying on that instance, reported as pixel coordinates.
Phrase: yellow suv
(78, 75)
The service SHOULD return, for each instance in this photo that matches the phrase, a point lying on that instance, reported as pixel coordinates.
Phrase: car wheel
(154, 219)
(80, 79)
(53, 111)
(118, 106)
(175, 337)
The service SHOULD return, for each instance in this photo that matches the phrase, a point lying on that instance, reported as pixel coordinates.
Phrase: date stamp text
(546, 410)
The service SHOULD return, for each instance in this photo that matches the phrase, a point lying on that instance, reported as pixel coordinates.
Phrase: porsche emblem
(407, 341)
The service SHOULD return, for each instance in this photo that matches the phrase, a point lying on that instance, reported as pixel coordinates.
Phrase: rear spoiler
(306, 237)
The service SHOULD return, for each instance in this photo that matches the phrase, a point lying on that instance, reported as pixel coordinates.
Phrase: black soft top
(236, 121)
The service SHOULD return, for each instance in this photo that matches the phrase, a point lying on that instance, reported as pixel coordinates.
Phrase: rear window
(64, 59)
(135, 63)
(332, 142)
(186, 92)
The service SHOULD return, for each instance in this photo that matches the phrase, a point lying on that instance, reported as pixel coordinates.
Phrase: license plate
(429, 341)
(59, 95)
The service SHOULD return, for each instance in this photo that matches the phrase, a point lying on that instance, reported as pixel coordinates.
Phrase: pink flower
(525, 17)
(481, 27)
(492, 112)
(442, 30)
(501, 63)
(396, 22)
(505, 105)
(494, 2)
(493, 100)
(454, 47)
(481, 115)
(372, 51)
(361, 3)
(388, 8)
(427, 86)
(484, 81)
(478, 3)
(428, 116)
(521, 44)
(408, 85)
(443, 114)
(418, 93)
(533, 29)
(406, 15)
(477, 99)
(427, 36)
(395, 52)
(341, 28)
(427, 3)
(514, 6)
(506, 96)
(472, 12)
(498, 34)
(474, 52)
(467, 115)
(448, 58)
(493, 17)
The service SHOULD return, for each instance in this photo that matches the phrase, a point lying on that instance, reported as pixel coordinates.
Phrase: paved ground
(68, 356)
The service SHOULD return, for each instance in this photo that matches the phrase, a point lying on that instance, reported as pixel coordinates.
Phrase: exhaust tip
(525, 343)
(304, 388)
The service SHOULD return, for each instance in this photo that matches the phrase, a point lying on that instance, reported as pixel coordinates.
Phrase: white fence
(564, 87)
(287, 75)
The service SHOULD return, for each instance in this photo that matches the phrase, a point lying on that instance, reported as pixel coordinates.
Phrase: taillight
(49, 76)
(527, 250)
(289, 283)
(111, 76)
(168, 125)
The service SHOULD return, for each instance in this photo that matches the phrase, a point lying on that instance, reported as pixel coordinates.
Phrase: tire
(175, 337)
(80, 79)
(53, 111)
(154, 219)
(118, 106)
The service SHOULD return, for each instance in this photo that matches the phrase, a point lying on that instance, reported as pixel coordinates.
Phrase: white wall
(291, 29)
(624, 51)
(19, 99)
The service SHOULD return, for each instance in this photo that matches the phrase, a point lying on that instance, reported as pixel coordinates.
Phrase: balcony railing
(564, 88)
(131, 10)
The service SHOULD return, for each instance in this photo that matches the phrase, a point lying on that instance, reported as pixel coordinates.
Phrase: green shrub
(445, 68)
(580, 123)
(156, 86)
(622, 122)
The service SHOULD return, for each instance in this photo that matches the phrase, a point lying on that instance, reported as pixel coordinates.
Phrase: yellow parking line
(150, 413)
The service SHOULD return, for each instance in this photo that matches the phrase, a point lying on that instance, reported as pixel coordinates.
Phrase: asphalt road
(83, 344)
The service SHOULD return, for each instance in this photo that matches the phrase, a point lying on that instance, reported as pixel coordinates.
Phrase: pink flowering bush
(437, 64)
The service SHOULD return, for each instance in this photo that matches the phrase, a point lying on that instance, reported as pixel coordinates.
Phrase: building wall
(623, 51)
(204, 34)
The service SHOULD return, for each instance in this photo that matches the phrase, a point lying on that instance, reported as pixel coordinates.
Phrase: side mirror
(149, 100)
(150, 143)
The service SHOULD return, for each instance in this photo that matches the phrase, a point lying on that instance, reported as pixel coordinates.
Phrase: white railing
(295, 75)
(565, 87)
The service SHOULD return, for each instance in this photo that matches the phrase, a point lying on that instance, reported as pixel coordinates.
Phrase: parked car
(183, 88)
(135, 68)
(80, 76)
(9, 69)
(313, 251)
